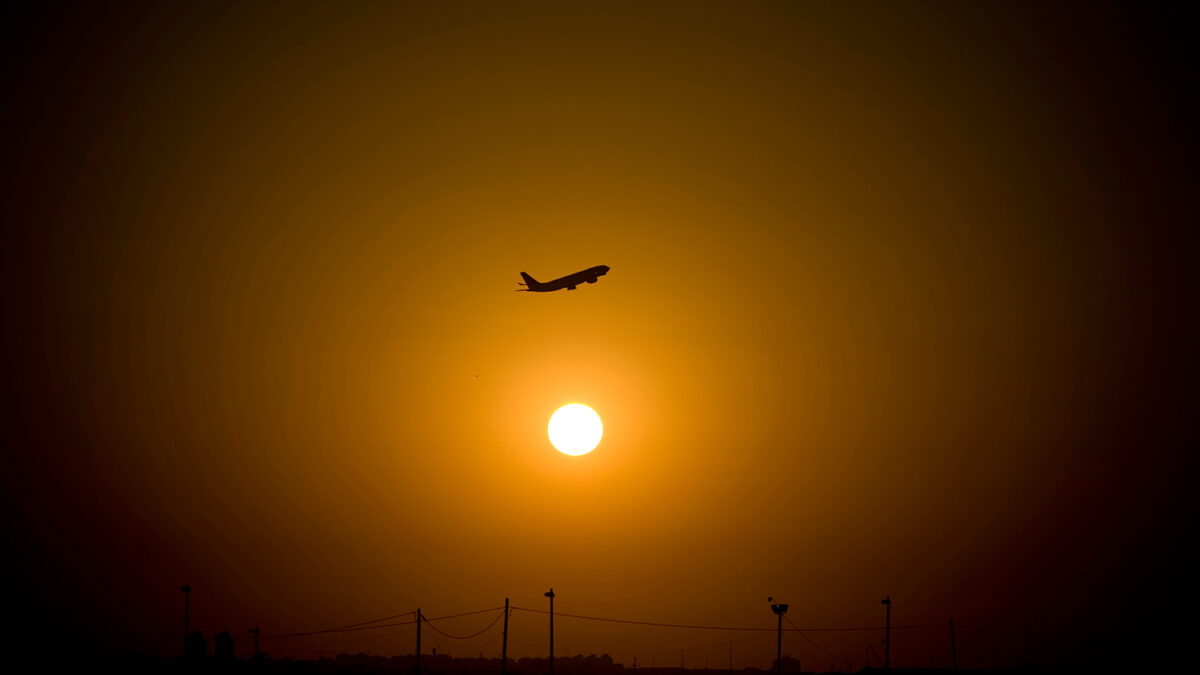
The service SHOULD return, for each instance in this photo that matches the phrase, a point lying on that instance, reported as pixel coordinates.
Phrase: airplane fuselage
(569, 282)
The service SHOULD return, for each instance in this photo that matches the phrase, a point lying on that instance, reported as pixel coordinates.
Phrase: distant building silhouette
(789, 665)
(196, 647)
(223, 646)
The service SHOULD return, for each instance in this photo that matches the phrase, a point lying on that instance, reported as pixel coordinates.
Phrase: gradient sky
(901, 303)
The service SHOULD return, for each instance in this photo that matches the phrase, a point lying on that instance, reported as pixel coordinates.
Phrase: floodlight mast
(550, 594)
(887, 633)
(417, 667)
(187, 600)
(504, 643)
(780, 609)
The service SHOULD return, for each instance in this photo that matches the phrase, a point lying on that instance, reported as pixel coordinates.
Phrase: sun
(575, 429)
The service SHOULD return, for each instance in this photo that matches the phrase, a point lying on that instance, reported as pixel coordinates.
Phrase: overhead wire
(468, 637)
(455, 616)
(731, 628)
(341, 629)
(389, 622)
(814, 642)
(363, 638)
(642, 623)
(376, 623)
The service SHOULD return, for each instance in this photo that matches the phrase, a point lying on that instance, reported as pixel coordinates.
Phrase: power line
(455, 616)
(341, 629)
(643, 623)
(360, 638)
(735, 628)
(389, 622)
(467, 637)
(376, 623)
(814, 643)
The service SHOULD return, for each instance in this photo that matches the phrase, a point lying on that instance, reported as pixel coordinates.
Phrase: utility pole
(504, 643)
(550, 594)
(417, 667)
(779, 609)
(254, 631)
(187, 598)
(731, 657)
(887, 634)
(953, 648)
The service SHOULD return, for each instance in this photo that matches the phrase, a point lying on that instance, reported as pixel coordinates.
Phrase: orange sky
(899, 304)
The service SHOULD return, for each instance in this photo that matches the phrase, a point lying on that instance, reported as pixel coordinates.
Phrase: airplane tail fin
(529, 281)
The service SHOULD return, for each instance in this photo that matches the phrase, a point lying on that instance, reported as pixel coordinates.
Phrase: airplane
(569, 282)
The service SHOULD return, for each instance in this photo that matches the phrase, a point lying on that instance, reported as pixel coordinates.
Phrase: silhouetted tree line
(442, 664)
(220, 659)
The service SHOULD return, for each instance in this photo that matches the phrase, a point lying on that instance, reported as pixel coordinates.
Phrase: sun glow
(575, 429)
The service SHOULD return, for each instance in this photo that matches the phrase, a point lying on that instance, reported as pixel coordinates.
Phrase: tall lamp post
(417, 667)
(187, 599)
(550, 594)
(780, 609)
(504, 643)
(887, 633)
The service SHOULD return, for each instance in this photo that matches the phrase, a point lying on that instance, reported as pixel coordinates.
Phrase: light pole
(780, 609)
(887, 633)
(417, 667)
(550, 594)
(504, 643)
(187, 599)
(953, 648)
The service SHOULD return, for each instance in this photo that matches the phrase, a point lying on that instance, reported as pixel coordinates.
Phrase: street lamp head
(186, 588)
(549, 593)
(886, 601)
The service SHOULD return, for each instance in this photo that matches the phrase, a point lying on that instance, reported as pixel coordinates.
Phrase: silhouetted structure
(780, 609)
(223, 646)
(444, 664)
(504, 642)
(953, 648)
(787, 664)
(887, 633)
(550, 594)
(196, 647)
(187, 597)
(417, 667)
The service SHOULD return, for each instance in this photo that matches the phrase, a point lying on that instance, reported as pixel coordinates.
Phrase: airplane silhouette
(569, 282)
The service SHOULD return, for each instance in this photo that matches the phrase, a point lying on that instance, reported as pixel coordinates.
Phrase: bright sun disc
(575, 429)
